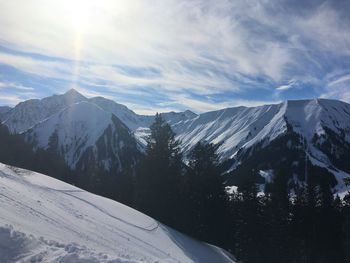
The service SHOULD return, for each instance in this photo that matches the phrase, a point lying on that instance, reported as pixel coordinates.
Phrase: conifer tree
(328, 239)
(159, 175)
(249, 227)
(346, 227)
(278, 219)
(206, 196)
(298, 225)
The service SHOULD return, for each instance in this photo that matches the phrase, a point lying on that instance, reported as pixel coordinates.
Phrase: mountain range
(297, 137)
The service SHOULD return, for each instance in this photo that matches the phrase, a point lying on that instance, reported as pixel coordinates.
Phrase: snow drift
(45, 220)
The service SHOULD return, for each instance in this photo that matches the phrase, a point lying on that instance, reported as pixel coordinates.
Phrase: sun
(80, 12)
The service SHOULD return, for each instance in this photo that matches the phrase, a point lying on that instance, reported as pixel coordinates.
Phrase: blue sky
(162, 55)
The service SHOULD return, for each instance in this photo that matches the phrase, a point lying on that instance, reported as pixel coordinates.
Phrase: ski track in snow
(45, 220)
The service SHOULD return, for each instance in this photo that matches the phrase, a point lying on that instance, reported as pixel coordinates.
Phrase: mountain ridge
(319, 127)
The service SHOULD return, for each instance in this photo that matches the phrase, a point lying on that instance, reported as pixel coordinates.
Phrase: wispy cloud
(338, 86)
(340, 80)
(188, 52)
(15, 86)
(9, 100)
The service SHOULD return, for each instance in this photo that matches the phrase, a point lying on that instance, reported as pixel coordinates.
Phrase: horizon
(197, 113)
(161, 56)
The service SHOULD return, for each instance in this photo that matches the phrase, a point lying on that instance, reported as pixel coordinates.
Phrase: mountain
(29, 113)
(3, 111)
(85, 135)
(46, 220)
(294, 137)
(83, 131)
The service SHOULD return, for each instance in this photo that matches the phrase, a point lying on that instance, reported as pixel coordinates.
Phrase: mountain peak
(73, 93)
(190, 114)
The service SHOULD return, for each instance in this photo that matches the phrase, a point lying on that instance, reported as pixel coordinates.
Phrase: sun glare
(80, 12)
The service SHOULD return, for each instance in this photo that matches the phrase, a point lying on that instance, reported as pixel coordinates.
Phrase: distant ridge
(317, 129)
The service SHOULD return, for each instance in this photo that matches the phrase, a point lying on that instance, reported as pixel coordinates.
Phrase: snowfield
(45, 220)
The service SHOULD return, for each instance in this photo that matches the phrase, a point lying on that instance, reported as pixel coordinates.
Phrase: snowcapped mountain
(28, 113)
(307, 133)
(71, 131)
(127, 116)
(242, 127)
(84, 133)
(317, 130)
(46, 220)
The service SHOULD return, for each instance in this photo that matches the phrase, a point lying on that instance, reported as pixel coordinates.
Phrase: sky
(172, 55)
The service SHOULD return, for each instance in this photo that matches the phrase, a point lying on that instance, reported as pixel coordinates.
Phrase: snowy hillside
(45, 220)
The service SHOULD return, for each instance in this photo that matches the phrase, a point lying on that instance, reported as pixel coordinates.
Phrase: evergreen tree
(346, 227)
(249, 224)
(298, 225)
(14, 150)
(159, 175)
(277, 223)
(328, 225)
(206, 197)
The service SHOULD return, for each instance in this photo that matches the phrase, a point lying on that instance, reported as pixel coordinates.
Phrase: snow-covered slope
(127, 116)
(82, 130)
(310, 117)
(45, 220)
(242, 127)
(134, 121)
(71, 131)
(233, 128)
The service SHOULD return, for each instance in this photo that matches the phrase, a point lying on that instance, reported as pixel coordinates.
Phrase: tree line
(307, 225)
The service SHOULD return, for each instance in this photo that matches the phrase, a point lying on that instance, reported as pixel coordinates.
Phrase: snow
(243, 127)
(141, 134)
(77, 127)
(127, 116)
(45, 220)
(267, 175)
(231, 189)
(232, 128)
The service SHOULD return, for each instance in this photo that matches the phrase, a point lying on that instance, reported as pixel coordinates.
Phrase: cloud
(179, 49)
(338, 86)
(340, 80)
(44, 68)
(290, 85)
(9, 100)
(200, 105)
(15, 86)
